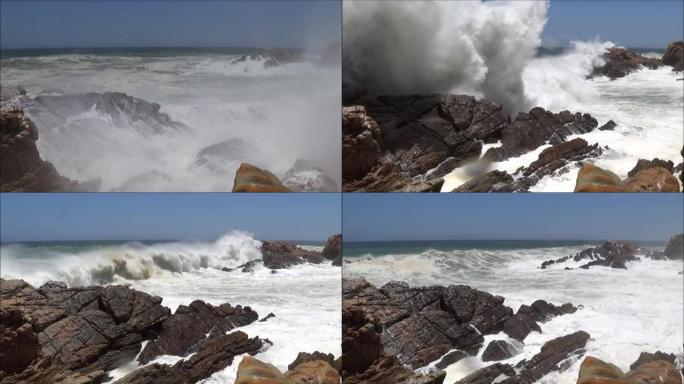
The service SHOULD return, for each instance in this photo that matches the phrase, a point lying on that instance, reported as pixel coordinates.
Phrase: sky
(189, 23)
(506, 216)
(630, 23)
(167, 216)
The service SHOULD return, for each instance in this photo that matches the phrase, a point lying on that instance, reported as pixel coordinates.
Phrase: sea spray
(427, 47)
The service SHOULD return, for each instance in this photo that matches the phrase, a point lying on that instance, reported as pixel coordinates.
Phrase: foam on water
(288, 112)
(306, 299)
(626, 312)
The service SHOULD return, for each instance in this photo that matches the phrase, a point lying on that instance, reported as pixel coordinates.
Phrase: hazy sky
(631, 23)
(60, 24)
(534, 216)
(167, 216)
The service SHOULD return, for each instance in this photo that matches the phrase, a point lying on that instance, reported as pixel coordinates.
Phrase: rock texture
(674, 56)
(249, 178)
(527, 318)
(621, 61)
(656, 371)
(591, 178)
(283, 254)
(675, 247)
(333, 249)
(253, 371)
(21, 168)
(646, 176)
(614, 254)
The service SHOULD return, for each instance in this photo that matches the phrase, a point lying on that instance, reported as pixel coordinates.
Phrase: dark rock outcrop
(21, 168)
(388, 369)
(498, 350)
(646, 164)
(304, 357)
(609, 126)
(333, 249)
(249, 178)
(621, 61)
(661, 371)
(674, 56)
(675, 247)
(493, 181)
(451, 358)
(282, 254)
(488, 374)
(614, 254)
(527, 318)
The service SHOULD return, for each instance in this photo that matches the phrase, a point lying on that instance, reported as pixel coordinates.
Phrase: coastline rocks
(609, 126)
(621, 61)
(315, 371)
(249, 178)
(333, 249)
(19, 344)
(304, 357)
(525, 320)
(282, 254)
(646, 176)
(646, 164)
(498, 350)
(674, 56)
(591, 178)
(488, 374)
(388, 369)
(360, 149)
(253, 371)
(192, 325)
(614, 254)
(21, 168)
(451, 358)
(595, 371)
(654, 179)
(493, 181)
(675, 247)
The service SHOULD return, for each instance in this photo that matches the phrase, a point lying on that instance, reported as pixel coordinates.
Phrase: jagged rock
(595, 371)
(675, 247)
(138, 309)
(531, 130)
(654, 179)
(498, 350)
(488, 374)
(451, 358)
(254, 371)
(646, 357)
(674, 56)
(21, 168)
(613, 254)
(658, 371)
(304, 357)
(387, 369)
(305, 177)
(591, 178)
(283, 254)
(646, 164)
(609, 126)
(333, 249)
(493, 181)
(249, 178)
(519, 326)
(126, 110)
(269, 316)
(525, 320)
(360, 149)
(621, 61)
(552, 354)
(316, 371)
(183, 331)
(19, 344)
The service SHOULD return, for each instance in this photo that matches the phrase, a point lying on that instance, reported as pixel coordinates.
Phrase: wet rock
(591, 178)
(674, 56)
(315, 371)
(675, 247)
(360, 148)
(493, 181)
(658, 371)
(498, 350)
(127, 110)
(621, 61)
(646, 164)
(609, 126)
(595, 371)
(304, 357)
(389, 370)
(283, 254)
(552, 357)
(269, 316)
(254, 371)
(614, 254)
(542, 311)
(654, 179)
(333, 249)
(305, 177)
(21, 168)
(183, 331)
(488, 374)
(519, 326)
(19, 344)
(249, 178)
(246, 267)
(138, 309)
(451, 358)
(646, 357)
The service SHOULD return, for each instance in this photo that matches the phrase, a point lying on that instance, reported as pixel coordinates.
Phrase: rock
(658, 371)
(549, 359)
(654, 179)
(493, 181)
(646, 164)
(451, 358)
(615, 254)
(253, 371)
(304, 357)
(126, 110)
(316, 371)
(138, 309)
(388, 370)
(21, 168)
(674, 56)
(609, 126)
(269, 316)
(531, 130)
(542, 311)
(595, 371)
(183, 331)
(646, 357)
(19, 344)
(249, 178)
(675, 247)
(488, 374)
(282, 254)
(333, 249)
(621, 61)
(591, 178)
(305, 177)
(519, 326)
(360, 148)
(498, 350)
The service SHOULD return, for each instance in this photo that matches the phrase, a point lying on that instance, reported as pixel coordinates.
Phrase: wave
(436, 47)
(131, 261)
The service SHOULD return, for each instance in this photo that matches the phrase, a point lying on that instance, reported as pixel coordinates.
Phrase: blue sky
(167, 216)
(535, 216)
(116, 23)
(631, 23)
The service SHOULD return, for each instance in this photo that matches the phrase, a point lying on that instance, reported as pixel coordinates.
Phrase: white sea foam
(623, 311)
(283, 113)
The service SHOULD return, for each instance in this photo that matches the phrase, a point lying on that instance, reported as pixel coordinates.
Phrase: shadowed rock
(283, 254)
(488, 374)
(621, 61)
(674, 56)
(675, 247)
(333, 249)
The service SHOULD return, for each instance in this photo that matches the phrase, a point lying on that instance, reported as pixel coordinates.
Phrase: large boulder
(282, 254)
(19, 344)
(621, 61)
(388, 369)
(254, 371)
(646, 164)
(249, 178)
(492, 181)
(333, 249)
(527, 318)
(674, 56)
(654, 179)
(614, 254)
(595, 371)
(316, 371)
(498, 350)
(591, 178)
(488, 374)
(675, 247)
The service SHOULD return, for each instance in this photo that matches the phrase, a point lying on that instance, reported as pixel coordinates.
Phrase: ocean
(306, 299)
(626, 312)
(235, 111)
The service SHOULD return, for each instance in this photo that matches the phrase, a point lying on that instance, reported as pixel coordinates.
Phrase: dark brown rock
(488, 374)
(621, 61)
(498, 350)
(283, 254)
(645, 164)
(519, 326)
(389, 370)
(333, 249)
(493, 181)
(304, 357)
(451, 358)
(609, 126)
(19, 344)
(646, 357)
(653, 179)
(674, 56)
(675, 247)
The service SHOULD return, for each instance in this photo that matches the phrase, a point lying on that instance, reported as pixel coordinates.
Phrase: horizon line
(417, 240)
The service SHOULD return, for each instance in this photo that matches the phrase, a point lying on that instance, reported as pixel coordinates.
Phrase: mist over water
(270, 117)
(407, 47)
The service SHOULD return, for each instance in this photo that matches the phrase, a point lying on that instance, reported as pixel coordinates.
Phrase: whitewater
(306, 299)
(626, 312)
(235, 110)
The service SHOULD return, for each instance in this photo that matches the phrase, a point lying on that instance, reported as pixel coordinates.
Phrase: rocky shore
(391, 331)
(409, 143)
